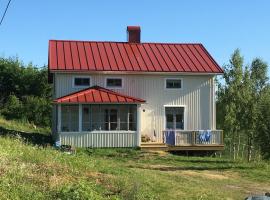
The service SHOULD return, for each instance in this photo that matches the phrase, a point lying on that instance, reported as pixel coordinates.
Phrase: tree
(24, 92)
(263, 129)
(229, 99)
(241, 104)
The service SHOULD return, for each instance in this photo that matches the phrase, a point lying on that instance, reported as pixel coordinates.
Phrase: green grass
(23, 126)
(32, 172)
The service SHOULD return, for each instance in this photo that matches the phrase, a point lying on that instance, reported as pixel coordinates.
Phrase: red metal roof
(97, 94)
(134, 57)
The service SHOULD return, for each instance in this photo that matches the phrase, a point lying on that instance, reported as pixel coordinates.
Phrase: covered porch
(98, 117)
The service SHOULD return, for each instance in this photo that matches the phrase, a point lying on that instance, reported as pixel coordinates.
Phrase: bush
(13, 108)
(37, 110)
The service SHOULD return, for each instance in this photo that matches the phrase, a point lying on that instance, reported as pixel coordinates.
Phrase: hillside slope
(33, 172)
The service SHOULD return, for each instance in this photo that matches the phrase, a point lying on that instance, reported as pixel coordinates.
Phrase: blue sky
(222, 26)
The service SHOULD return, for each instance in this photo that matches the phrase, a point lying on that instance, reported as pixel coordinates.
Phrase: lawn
(29, 171)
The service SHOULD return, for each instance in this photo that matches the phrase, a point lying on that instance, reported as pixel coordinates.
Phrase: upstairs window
(114, 83)
(81, 81)
(173, 83)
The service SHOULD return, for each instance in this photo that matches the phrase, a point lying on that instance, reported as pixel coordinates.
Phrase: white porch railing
(193, 137)
(99, 139)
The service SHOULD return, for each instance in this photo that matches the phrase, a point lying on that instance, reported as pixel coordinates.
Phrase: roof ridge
(100, 41)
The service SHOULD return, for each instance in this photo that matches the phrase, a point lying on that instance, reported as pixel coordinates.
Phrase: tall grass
(22, 125)
(29, 171)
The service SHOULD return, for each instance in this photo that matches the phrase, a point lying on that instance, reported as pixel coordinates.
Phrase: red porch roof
(97, 94)
(84, 56)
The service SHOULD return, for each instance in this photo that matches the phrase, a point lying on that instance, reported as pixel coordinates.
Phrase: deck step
(152, 144)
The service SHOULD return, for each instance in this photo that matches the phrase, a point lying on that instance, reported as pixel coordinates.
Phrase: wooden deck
(188, 140)
(153, 146)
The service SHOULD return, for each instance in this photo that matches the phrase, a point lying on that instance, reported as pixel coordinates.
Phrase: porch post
(80, 117)
(138, 125)
(59, 118)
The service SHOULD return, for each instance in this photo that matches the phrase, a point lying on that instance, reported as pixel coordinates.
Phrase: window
(114, 82)
(81, 81)
(174, 117)
(109, 117)
(173, 83)
(86, 125)
(70, 118)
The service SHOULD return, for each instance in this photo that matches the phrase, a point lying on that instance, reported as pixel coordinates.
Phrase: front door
(174, 117)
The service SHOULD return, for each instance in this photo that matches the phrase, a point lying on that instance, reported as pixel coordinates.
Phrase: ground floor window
(69, 118)
(174, 117)
(109, 117)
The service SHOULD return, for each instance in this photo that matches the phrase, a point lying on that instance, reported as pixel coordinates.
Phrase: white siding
(197, 96)
(100, 139)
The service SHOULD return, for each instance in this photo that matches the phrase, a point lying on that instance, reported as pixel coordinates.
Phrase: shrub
(13, 108)
(37, 110)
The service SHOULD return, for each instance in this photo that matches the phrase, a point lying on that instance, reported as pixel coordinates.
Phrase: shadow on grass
(208, 161)
(199, 168)
(33, 138)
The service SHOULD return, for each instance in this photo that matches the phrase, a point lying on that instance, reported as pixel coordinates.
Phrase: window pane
(86, 126)
(169, 121)
(174, 117)
(113, 126)
(70, 118)
(113, 115)
(123, 126)
(82, 81)
(173, 83)
(132, 116)
(179, 121)
(114, 82)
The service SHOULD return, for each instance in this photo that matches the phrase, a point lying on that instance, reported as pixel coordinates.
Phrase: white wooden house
(109, 94)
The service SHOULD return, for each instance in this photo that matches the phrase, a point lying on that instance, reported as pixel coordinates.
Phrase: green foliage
(24, 92)
(263, 136)
(239, 105)
(37, 110)
(22, 126)
(13, 108)
(78, 191)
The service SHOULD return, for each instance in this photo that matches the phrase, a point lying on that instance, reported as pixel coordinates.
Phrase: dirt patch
(205, 174)
(159, 153)
(56, 180)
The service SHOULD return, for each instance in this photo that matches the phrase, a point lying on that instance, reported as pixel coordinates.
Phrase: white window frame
(82, 86)
(114, 77)
(185, 115)
(165, 83)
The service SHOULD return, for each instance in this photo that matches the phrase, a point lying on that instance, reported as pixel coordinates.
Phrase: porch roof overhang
(97, 95)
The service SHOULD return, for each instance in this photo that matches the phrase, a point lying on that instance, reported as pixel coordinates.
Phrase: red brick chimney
(134, 34)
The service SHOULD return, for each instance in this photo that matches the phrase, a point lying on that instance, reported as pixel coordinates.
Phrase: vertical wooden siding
(100, 139)
(197, 95)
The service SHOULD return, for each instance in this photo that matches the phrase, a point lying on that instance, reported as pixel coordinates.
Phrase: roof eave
(135, 72)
